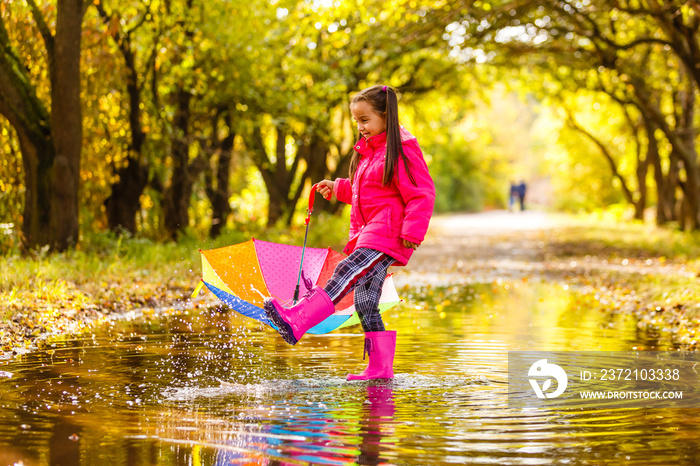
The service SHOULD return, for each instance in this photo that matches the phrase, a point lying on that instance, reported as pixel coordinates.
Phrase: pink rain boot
(293, 322)
(381, 347)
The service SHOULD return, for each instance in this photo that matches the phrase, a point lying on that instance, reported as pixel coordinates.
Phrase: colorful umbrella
(244, 274)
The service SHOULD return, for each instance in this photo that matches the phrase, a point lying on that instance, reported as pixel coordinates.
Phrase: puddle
(210, 388)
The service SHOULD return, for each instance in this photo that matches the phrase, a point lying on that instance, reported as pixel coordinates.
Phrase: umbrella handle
(311, 203)
(306, 234)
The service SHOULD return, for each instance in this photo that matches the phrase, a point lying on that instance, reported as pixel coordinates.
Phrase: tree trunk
(66, 124)
(219, 192)
(688, 132)
(315, 155)
(278, 180)
(685, 209)
(177, 195)
(37, 159)
(279, 193)
(642, 168)
(662, 205)
(641, 202)
(683, 147)
(124, 202)
(317, 167)
(275, 208)
(672, 187)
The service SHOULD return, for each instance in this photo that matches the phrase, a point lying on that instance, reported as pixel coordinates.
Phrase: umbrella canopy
(243, 274)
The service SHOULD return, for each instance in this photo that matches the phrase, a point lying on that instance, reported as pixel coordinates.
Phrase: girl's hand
(408, 244)
(325, 187)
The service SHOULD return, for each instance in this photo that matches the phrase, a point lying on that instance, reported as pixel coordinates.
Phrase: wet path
(209, 388)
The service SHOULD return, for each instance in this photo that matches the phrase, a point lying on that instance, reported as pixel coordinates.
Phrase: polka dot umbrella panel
(243, 274)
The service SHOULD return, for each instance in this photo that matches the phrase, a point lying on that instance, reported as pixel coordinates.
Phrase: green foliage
(640, 58)
(459, 184)
(582, 179)
(292, 65)
(581, 176)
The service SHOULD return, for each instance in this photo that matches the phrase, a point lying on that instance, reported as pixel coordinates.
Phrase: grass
(631, 239)
(658, 281)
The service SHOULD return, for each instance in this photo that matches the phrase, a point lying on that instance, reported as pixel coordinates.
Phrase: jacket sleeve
(343, 190)
(419, 198)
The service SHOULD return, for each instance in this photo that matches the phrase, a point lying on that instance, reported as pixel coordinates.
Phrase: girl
(392, 197)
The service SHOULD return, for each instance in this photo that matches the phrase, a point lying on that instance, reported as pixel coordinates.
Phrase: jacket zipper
(359, 209)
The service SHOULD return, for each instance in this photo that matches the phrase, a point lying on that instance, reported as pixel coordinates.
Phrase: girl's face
(369, 122)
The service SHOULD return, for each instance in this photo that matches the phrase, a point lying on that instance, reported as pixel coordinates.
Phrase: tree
(50, 135)
(308, 73)
(628, 45)
(132, 173)
(216, 174)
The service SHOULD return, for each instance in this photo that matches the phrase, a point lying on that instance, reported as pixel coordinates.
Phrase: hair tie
(384, 89)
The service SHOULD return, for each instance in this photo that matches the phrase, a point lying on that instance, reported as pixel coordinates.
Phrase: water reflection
(312, 436)
(377, 424)
(208, 388)
(274, 416)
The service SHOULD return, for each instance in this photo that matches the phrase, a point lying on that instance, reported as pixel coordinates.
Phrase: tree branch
(260, 157)
(606, 153)
(685, 153)
(18, 100)
(43, 29)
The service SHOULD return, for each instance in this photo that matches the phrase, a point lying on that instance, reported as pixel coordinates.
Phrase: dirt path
(493, 245)
(479, 247)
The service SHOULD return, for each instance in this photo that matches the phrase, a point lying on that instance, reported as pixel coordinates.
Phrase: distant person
(392, 196)
(521, 189)
(513, 194)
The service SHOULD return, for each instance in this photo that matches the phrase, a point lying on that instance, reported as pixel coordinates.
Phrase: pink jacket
(382, 216)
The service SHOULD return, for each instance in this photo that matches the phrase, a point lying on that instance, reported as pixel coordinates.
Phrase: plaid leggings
(364, 271)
